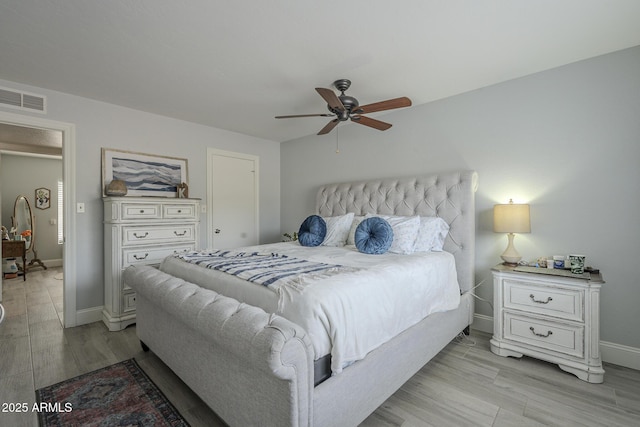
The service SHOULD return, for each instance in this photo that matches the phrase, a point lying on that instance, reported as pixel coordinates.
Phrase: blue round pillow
(312, 231)
(374, 236)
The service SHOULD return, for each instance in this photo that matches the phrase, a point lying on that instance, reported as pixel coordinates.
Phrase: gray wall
(21, 175)
(567, 141)
(98, 124)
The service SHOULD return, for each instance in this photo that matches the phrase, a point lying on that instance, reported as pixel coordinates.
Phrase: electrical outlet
(80, 208)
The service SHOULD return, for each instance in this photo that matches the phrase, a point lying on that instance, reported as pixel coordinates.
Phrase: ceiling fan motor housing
(349, 103)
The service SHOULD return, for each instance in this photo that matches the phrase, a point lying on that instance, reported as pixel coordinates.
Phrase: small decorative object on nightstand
(511, 218)
(549, 316)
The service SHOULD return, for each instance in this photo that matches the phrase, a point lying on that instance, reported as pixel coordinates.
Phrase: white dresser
(553, 318)
(141, 230)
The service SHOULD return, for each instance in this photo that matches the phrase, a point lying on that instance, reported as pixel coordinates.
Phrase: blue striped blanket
(266, 269)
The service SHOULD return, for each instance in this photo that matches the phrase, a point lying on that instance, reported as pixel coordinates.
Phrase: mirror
(22, 220)
(24, 224)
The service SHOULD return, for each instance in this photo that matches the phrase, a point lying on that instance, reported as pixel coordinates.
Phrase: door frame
(213, 152)
(69, 193)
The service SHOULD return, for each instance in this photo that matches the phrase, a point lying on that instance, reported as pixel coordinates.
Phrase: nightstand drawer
(547, 335)
(547, 300)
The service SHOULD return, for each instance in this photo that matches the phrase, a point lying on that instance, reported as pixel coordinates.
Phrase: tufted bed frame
(254, 368)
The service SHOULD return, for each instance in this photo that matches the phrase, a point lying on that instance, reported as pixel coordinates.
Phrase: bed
(253, 367)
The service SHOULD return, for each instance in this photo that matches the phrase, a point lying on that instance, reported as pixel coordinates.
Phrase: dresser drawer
(181, 211)
(128, 301)
(543, 299)
(141, 235)
(141, 211)
(152, 255)
(545, 334)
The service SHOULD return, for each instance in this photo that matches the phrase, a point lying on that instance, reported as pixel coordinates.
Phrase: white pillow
(405, 230)
(337, 229)
(432, 234)
(351, 239)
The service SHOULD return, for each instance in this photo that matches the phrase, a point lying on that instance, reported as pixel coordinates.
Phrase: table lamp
(511, 218)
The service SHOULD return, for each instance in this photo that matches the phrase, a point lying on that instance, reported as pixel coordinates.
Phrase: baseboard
(88, 315)
(482, 323)
(52, 262)
(617, 354)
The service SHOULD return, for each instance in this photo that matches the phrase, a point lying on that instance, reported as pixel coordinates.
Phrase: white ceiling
(237, 64)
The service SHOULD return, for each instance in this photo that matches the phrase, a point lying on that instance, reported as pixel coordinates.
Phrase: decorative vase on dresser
(552, 317)
(141, 230)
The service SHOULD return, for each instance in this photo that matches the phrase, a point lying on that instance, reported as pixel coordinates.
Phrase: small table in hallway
(16, 248)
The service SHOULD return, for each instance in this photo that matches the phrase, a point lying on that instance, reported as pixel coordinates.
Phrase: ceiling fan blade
(304, 115)
(368, 121)
(329, 127)
(389, 104)
(331, 98)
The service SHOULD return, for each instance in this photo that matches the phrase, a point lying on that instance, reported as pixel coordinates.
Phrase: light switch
(52, 221)
(80, 208)
(203, 208)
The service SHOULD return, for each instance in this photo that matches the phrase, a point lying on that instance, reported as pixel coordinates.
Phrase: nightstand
(549, 315)
(16, 248)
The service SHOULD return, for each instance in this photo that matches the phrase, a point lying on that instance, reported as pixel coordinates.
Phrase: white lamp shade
(511, 218)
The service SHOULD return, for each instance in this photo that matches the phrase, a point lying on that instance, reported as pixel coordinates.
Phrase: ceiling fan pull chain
(337, 141)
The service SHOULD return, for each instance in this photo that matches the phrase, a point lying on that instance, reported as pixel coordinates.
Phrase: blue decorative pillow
(312, 231)
(374, 236)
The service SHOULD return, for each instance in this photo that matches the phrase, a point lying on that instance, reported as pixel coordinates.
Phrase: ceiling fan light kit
(345, 107)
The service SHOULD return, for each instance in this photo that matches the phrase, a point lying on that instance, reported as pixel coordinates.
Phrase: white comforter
(350, 314)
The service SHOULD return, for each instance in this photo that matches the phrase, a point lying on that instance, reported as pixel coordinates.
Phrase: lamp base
(510, 256)
(510, 264)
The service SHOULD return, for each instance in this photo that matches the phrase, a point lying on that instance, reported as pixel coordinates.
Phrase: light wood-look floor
(465, 385)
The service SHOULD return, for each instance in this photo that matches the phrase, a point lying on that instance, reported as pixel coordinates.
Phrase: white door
(232, 199)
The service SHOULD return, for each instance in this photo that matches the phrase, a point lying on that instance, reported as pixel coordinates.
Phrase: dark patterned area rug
(118, 395)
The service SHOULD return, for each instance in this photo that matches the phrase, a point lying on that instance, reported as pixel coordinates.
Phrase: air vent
(22, 100)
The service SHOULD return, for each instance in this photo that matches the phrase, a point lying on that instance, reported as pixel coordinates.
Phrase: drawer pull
(533, 331)
(141, 210)
(179, 210)
(140, 258)
(178, 234)
(146, 233)
(549, 299)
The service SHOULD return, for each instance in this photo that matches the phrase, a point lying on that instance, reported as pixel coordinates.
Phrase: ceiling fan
(345, 107)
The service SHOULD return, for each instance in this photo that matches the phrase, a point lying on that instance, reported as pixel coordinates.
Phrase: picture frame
(144, 174)
(43, 198)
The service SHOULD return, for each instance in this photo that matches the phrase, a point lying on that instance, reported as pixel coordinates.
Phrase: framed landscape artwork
(144, 174)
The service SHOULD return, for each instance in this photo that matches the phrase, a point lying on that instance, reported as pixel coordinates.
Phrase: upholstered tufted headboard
(450, 196)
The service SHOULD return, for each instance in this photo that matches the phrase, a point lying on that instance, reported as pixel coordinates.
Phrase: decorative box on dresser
(141, 230)
(549, 317)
